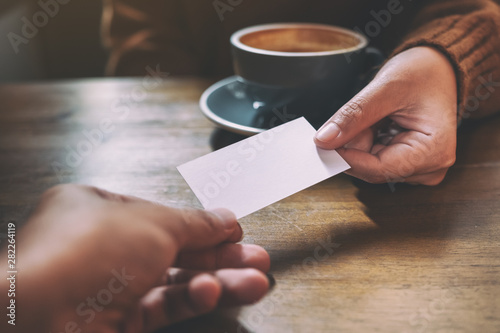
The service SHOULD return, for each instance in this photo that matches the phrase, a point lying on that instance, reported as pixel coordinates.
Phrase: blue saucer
(227, 105)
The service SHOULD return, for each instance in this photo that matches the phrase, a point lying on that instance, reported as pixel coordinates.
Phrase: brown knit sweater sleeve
(467, 32)
(147, 33)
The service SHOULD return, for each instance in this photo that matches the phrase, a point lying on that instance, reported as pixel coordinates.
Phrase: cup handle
(375, 58)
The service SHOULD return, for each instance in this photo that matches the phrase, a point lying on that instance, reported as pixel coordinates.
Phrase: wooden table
(347, 256)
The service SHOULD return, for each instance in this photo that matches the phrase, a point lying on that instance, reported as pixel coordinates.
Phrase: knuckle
(107, 195)
(434, 180)
(197, 217)
(352, 111)
(100, 192)
(450, 160)
(59, 190)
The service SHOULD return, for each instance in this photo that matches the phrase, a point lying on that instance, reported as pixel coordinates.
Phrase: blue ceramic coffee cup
(311, 68)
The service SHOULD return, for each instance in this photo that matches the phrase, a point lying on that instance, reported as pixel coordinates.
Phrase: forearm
(466, 32)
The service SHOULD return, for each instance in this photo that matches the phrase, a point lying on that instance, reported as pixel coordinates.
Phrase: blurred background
(67, 44)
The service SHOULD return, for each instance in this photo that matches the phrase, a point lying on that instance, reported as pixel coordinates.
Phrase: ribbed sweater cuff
(469, 42)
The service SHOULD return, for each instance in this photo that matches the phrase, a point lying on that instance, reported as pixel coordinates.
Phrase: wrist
(434, 64)
(423, 77)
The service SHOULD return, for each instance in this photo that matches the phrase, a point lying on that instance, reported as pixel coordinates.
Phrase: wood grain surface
(346, 256)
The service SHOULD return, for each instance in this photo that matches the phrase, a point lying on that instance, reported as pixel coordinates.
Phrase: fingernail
(328, 132)
(226, 216)
(242, 233)
(271, 279)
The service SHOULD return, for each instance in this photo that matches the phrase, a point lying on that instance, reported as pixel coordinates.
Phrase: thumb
(369, 106)
(194, 229)
(189, 228)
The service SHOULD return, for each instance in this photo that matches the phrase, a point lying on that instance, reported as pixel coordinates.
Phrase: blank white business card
(263, 169)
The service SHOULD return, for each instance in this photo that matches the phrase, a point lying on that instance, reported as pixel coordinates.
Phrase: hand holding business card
(263, 169)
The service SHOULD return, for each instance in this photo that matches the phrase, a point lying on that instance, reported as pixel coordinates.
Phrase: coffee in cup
(310, 68)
